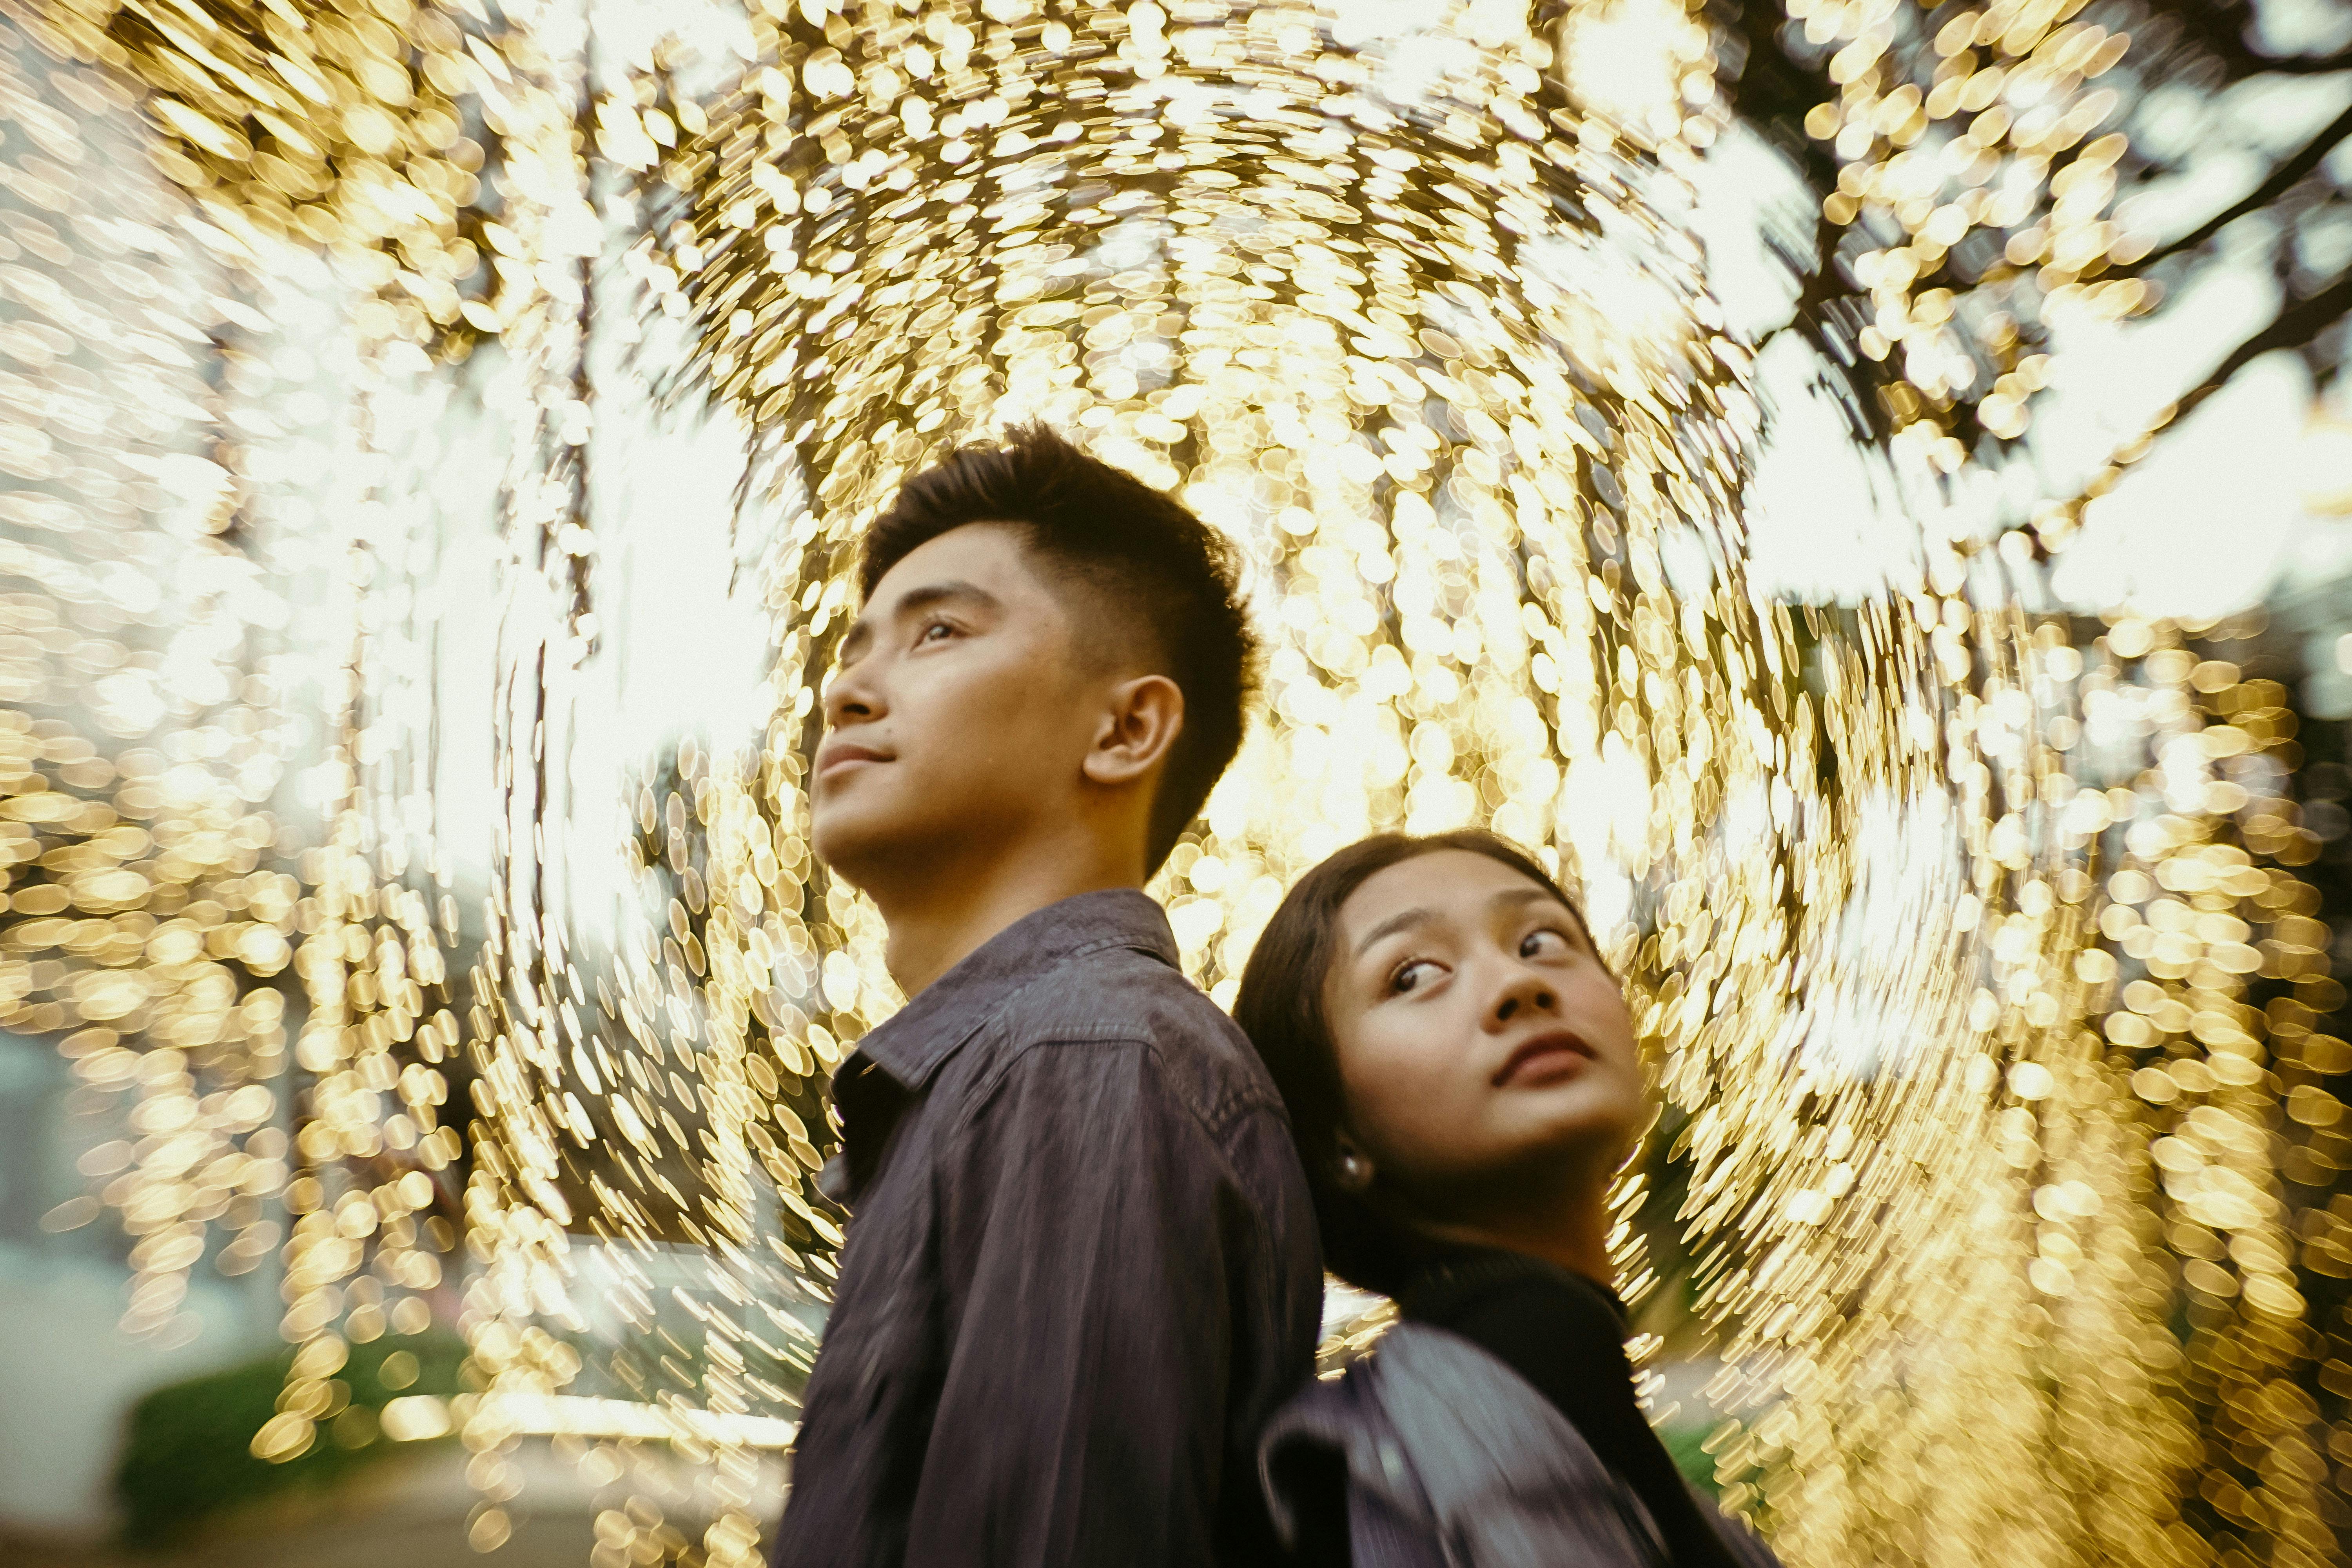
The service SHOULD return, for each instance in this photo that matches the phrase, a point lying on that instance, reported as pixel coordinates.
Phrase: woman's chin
(1572, 1120)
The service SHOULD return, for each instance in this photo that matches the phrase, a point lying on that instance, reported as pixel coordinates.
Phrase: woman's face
(1480, 1038)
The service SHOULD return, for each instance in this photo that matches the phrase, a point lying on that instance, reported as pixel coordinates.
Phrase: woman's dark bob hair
(1280, 1007)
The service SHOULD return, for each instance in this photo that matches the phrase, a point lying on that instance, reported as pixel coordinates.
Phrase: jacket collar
(912, 1045)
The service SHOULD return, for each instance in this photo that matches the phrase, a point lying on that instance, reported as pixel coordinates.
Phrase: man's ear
(1139, 725)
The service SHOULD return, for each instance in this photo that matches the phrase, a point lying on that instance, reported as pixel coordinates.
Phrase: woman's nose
(1524, 992)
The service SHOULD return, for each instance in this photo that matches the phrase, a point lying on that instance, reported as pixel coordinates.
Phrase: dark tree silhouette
(2201, 59)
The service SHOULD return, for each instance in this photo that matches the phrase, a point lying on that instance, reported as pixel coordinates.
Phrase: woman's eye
(1544, 944)
(941, 628)
(1410, 976)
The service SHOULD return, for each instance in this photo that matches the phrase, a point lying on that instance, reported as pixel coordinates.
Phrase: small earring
(1355, 1171)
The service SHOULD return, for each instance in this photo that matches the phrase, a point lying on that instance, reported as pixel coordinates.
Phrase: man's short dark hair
(1164, 578)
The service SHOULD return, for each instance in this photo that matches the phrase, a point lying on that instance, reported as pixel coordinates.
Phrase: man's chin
(877, 848)
(858, 845)
(840, 840)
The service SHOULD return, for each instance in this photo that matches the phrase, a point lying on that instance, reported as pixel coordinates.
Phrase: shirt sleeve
(1091, 1237)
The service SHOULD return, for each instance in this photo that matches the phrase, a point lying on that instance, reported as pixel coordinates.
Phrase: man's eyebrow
(954, 590)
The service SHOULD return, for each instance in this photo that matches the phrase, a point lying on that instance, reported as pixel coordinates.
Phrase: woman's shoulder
(1471, 1425)
(1336, 1476)
(1453, 1451)
(1446, 1439)
(1427, 1378)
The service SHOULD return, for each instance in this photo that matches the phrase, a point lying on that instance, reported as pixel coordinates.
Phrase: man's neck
(936, 920)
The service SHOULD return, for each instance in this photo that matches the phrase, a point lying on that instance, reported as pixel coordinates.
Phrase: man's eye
(935, 631)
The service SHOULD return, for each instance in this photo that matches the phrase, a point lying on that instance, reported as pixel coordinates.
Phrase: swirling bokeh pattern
(1938, 913)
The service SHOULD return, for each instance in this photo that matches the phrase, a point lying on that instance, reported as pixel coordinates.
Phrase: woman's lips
(1547, 1059)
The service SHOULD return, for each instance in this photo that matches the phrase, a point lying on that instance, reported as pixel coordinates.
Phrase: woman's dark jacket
(1433, 1452)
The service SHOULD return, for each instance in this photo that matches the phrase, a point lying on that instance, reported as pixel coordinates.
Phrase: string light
(381, 187)
(1976, 175)
(1842, 1172)
(148, 913)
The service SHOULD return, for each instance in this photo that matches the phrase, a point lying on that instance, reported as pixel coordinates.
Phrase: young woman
(1463, 1081)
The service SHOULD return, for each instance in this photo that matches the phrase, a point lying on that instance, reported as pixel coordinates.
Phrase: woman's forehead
(1446, 884)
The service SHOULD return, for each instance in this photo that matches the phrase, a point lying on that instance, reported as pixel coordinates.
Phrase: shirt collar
(910, 1045)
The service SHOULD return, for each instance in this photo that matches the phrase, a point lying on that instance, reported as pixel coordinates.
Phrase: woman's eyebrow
(1520, 898)
(1390, 926)
(1511, 900)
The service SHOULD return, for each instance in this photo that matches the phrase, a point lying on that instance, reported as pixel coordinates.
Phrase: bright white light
(2202, 527)
(2109, 380)
(1604, 807)
(2323, 467)
(1744, 196)
(1823, 523)
(1624, 60)
(580, 1415)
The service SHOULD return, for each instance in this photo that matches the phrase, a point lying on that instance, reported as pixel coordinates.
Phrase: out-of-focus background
(420, 489)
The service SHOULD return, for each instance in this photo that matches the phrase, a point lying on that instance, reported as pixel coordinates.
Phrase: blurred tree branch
(1766, 84)
(2282, 179)
(1791, 86)
(2297, 327)
(2219, 27)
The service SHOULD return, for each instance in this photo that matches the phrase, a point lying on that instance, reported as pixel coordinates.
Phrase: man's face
(956, 721)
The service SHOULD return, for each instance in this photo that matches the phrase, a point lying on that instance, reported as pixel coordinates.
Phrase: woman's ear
(1140, 723)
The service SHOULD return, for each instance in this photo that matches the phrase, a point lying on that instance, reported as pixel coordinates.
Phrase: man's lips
(1544, 1058)
(836, 754)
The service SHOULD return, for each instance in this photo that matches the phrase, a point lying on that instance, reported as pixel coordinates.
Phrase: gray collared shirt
(1081, 1270)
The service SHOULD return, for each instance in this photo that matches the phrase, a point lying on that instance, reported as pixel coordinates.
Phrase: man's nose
(852, 696)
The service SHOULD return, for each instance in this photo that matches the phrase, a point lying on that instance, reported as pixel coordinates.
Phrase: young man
(1082, 1267)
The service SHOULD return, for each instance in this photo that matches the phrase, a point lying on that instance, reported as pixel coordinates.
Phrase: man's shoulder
(1116, 995)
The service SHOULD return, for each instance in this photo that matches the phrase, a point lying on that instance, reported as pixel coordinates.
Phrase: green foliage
(188, 1454)
(1696, 1463)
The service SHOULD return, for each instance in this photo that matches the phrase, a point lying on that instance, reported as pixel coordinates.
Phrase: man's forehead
(988, 555)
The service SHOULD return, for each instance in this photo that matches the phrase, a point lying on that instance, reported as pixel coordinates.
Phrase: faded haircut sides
(1163, 586)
